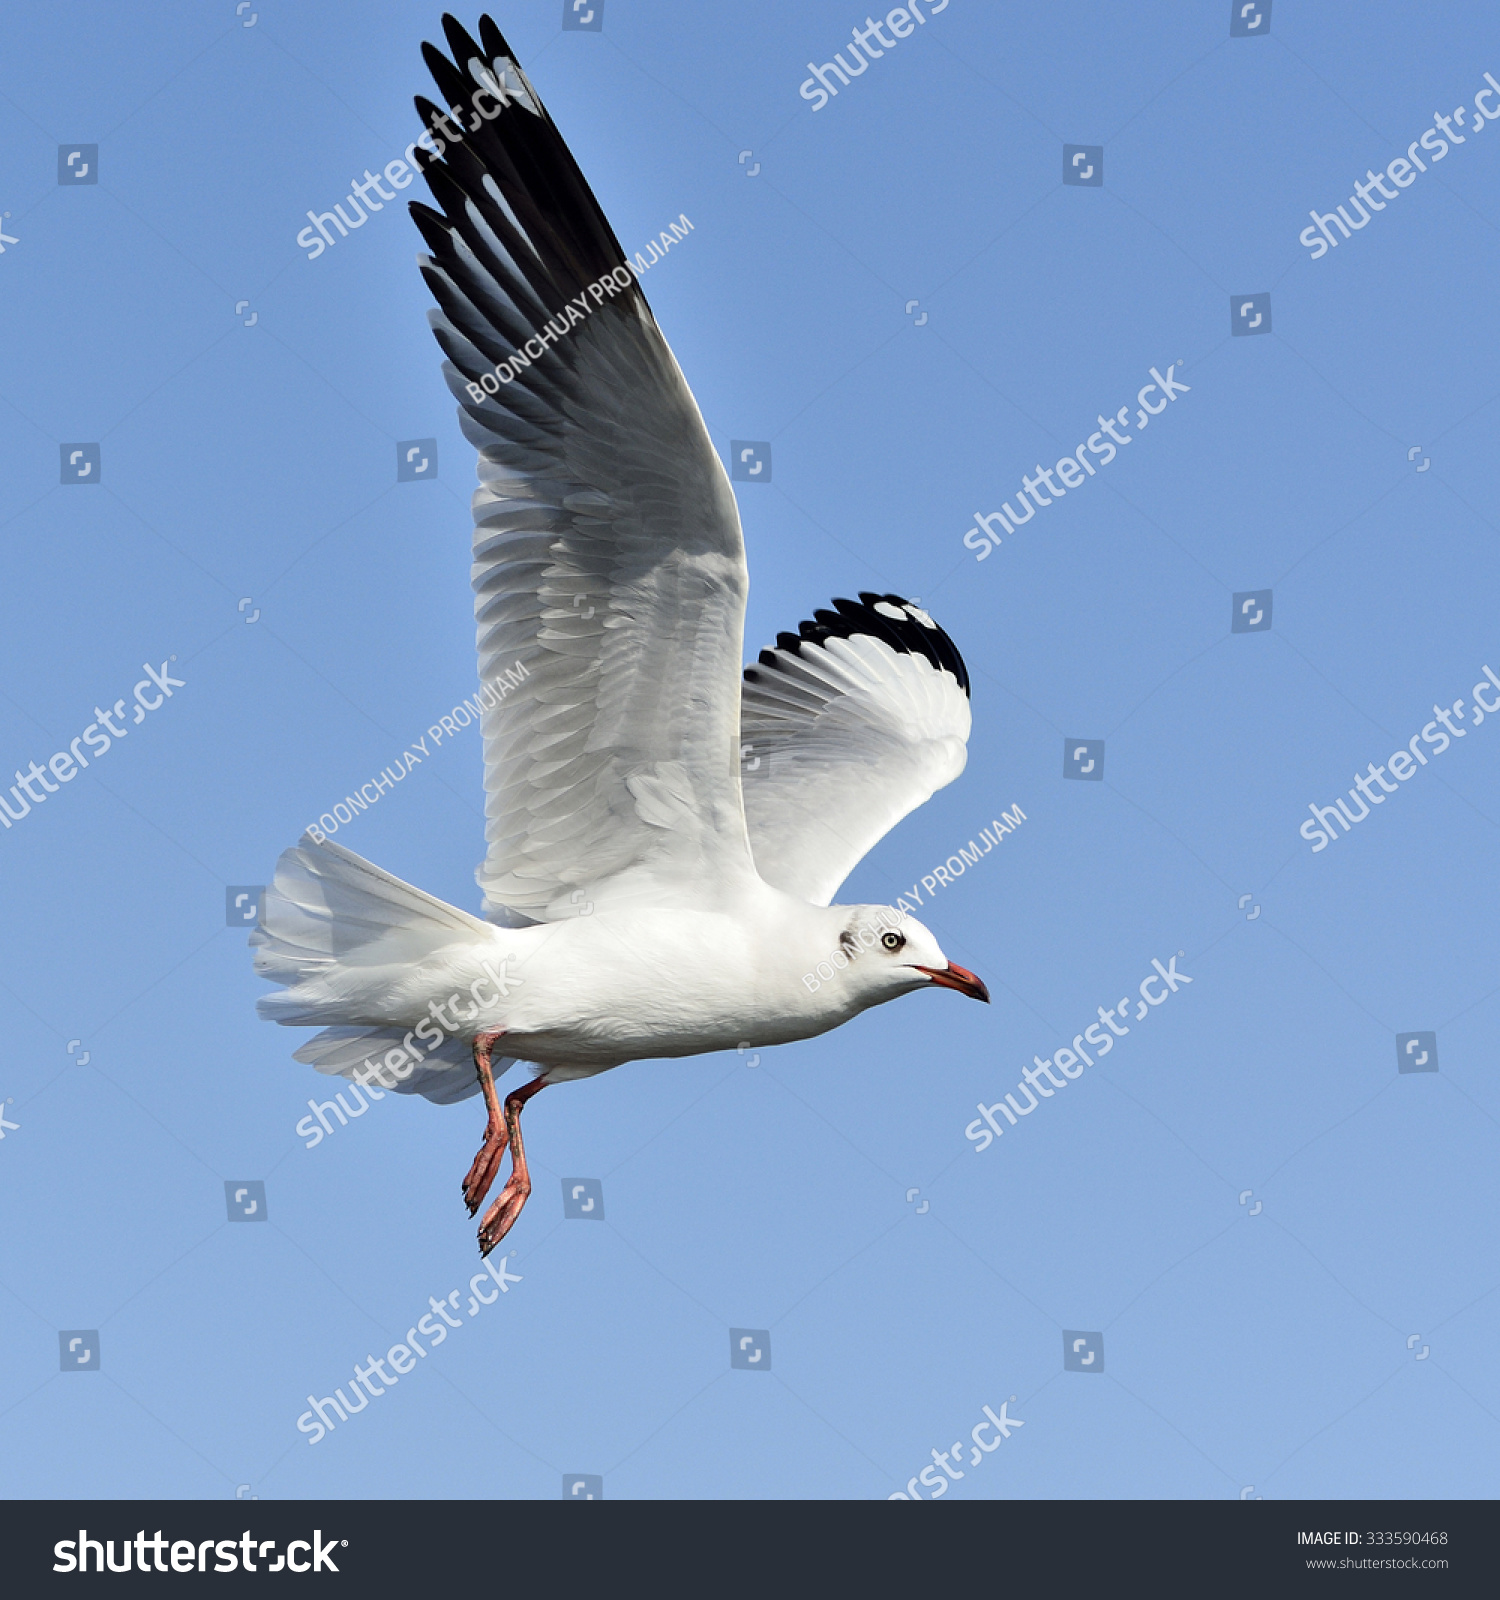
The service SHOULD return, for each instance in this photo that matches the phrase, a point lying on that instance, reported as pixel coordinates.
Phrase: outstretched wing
(845, 727)
(608, 560)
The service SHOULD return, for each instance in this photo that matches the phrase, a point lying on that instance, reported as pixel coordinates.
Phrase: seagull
(664, 832)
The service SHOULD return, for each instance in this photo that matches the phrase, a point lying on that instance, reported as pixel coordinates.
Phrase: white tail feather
(326, 903)
(332, 925)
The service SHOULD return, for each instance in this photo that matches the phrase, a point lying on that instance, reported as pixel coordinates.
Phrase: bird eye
(892, 941)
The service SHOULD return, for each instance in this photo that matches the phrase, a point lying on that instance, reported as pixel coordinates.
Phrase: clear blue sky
(251, 469)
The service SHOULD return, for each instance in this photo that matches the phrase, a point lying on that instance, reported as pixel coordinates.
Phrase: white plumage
(663, 842)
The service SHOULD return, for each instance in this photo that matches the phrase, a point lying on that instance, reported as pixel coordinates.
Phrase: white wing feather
(843, 732)
(608, 560)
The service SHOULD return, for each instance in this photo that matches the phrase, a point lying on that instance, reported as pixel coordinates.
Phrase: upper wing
(607, 552)
(845, 727)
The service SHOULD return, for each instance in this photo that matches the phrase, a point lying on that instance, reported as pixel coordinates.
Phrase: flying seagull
(663, 838)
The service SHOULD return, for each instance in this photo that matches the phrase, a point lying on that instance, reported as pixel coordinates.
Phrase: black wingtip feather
(929, 632)
(460, 41)
(900, 625)
(493, 41)
(432, 225)
(521, 153)
(451, 80)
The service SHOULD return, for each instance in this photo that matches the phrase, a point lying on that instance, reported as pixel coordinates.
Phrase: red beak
(954, 976)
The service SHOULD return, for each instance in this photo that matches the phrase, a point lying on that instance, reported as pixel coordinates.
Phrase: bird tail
(328, 911)
(332, 927)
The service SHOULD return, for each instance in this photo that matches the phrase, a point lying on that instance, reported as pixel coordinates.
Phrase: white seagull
(663, 839)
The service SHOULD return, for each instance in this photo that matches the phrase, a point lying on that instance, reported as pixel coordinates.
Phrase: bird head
(889, 953)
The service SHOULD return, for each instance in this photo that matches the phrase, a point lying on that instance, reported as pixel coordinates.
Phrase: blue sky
(246, 521)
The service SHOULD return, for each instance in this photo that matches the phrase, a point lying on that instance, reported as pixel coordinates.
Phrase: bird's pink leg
(499, 1218)
(496, 1135)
